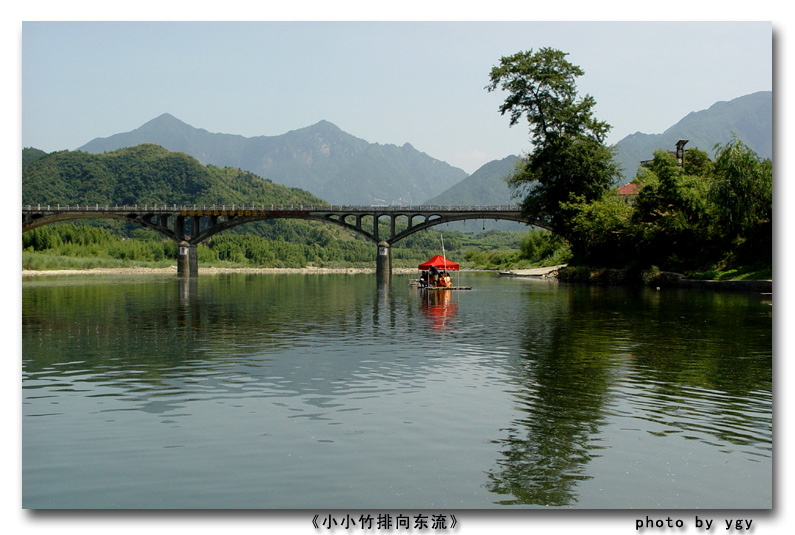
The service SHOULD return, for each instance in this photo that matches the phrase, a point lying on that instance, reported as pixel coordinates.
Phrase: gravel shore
(204, 270)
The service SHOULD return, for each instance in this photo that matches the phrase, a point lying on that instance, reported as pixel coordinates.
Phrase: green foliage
(493, 259)
(543, 248)
(536, 248)
(742, 189)
(289, 244)
(32, 260)
(85, 241)
(697, 163)
(672, 219)
(684, 218)
(559, 173)
(147, 174)
(598, 229)
(542, 88)
(698, 218)
(30, 154)
(53, 236)
(81, 241)
(569, 159)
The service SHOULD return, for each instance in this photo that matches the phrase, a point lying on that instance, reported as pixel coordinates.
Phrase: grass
(754, 272)
(39, 261)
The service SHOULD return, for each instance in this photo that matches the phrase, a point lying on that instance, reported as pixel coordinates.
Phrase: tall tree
(742, 189)
(569, 159)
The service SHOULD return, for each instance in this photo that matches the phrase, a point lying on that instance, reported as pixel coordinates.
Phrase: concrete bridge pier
(183, 259)
(187, 260)
(194, 260)
(383, 262)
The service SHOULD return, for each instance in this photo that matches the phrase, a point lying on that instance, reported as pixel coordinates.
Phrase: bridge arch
(161, 226)
(194, 225)
(204, 222)
(341, 218)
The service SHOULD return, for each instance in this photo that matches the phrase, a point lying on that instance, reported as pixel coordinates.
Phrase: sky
(385, 82)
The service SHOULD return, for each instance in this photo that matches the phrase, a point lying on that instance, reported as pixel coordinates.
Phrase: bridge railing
(424, 208)
(97, 208)
(283, 208)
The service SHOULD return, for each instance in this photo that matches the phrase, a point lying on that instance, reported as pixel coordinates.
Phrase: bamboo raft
(416, 284)
(435, 288)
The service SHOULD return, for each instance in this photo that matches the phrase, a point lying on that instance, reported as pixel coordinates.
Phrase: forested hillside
(149, 174)
(146, 174)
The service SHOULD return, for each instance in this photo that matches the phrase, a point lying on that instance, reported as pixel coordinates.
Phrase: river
(297, 391)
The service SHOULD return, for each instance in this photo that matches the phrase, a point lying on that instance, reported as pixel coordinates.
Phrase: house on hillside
(628, 192)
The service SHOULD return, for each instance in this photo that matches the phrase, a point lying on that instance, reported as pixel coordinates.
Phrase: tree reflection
(700, 364)
(562, 380)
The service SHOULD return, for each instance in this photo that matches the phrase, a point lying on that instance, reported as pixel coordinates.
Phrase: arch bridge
(191, 225)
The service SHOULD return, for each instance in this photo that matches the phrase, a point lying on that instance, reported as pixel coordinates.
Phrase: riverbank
(172, 270)
(657, 279)
(549, 272)
(561, 273)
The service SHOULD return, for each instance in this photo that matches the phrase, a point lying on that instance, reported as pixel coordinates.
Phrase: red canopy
(439, 263)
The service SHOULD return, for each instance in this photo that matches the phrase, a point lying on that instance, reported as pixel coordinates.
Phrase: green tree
(697, 163)
(672, 218)
(742, 195)
(544, 248)
(599, 231)
(742, 189)
(569, 159)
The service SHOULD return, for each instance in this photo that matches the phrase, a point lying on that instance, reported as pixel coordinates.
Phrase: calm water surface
(328, 391)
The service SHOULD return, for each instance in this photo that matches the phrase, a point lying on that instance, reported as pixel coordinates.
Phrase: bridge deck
(174, 209)
(196, 223)
(193, 224)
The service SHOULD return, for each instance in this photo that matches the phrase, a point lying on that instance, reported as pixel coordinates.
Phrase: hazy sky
(385, 82)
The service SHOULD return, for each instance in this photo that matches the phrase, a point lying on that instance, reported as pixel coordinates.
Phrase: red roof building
(629, 189)
(628, 192)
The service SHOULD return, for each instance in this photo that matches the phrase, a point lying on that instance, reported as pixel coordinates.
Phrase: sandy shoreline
(542, 272)
(172, 270)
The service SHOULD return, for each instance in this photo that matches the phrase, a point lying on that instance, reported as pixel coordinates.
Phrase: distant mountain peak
(749, 116)
(320, 158)
(165, 118)
(320, 126)
(326, 124)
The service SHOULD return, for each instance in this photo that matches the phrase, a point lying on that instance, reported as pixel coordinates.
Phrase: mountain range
(321, 158)
(343, 169)
(750, 117)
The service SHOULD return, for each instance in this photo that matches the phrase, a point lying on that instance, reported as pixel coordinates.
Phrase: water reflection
(521, 389)
(562, 382)
(181, 333)
(439, 308)
(599, 355)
